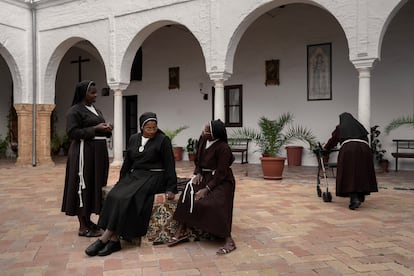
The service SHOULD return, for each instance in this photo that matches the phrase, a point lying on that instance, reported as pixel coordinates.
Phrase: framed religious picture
(105, 91)
(272, 72)
(174, 78)
(319, 63)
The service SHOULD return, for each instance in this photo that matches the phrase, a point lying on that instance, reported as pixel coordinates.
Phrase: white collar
(209, 143)
(92, 109)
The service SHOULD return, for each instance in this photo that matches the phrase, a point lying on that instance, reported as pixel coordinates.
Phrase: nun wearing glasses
(87, 162)
(148, 169)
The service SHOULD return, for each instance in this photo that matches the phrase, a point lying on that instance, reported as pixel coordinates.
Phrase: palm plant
(404, 120)
(271, 137)
(172, 133)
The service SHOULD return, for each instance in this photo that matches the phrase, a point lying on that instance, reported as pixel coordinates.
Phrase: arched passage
(8, 115)
(74, 60)
(393, 83)
(279, 34)
(166, 45)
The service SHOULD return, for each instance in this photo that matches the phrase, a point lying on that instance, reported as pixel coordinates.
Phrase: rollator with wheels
(322, 166)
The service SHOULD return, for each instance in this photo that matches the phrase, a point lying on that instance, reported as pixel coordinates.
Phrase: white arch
(388, 19)
(54, 62)
(14, 71)
(257, 11)
(136, 42)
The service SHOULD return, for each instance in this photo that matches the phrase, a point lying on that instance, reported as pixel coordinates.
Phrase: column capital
(23, 108)
(118, 85)
(219, 76)
(364, 64)
(45, 108)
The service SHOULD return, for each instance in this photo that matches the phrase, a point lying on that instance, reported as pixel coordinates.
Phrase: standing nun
(87, 163)
(148, 168)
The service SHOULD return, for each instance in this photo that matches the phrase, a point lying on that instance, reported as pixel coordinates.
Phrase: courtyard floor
(280, 227)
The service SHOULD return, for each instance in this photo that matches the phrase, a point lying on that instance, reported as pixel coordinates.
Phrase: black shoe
(110, 247)
(95, 247)
(361, 197)
(354, 204)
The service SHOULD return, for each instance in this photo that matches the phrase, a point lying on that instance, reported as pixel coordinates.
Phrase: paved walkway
(280, 227)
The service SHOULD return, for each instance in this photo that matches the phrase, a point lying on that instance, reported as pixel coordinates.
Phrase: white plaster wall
(15, 47)
(281, 37)
(55, 43)
(111, 26)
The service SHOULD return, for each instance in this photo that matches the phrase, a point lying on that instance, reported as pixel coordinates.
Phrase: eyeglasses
(150, 129)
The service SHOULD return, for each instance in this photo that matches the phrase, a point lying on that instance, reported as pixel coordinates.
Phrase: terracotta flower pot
(178, 153)
(384, 164)
(294, 155)
(273, 167)
(191, 156)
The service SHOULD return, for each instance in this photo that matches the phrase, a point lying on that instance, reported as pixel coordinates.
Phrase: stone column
(219, 78)
(364, 68)
(24, 134)
(43, 156)
(118, 131)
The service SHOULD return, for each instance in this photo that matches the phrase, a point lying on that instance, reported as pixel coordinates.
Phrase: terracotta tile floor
(280, 227)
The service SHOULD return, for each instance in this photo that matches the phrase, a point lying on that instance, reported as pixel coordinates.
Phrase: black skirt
(95, 172)
(127, 208)
(355, 171)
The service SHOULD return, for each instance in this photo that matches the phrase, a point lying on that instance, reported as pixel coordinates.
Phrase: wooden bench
(407, 147)
(240, 146)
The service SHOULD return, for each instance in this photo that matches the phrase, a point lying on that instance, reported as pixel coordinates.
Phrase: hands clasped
(104, 127)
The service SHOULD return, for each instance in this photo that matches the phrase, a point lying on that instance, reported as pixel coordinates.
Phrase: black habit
(127, 208)
(355, 170)
(80, 124)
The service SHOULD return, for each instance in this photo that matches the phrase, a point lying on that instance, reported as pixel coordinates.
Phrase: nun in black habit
(87, 162)
(148, 168)
(355, 172)
(211, 207)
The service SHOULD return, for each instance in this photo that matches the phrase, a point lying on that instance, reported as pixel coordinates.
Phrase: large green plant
(396, 123)
(192, 144)
(172, 133)
(3, 146)
(274, 134)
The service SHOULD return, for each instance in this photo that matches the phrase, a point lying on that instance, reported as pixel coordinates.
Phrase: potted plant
(55, 144)
(3, 147)
(191, 148)
(178, 151)
(271, 137)
(377, 149)
(396, 123)
(65, 143)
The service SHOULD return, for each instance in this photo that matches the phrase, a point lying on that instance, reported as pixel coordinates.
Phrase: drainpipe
(34, 59)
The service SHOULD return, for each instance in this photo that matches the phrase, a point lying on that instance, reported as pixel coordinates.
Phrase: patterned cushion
(162, 226)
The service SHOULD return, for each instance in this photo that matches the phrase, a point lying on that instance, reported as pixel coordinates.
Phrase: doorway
(131, 116)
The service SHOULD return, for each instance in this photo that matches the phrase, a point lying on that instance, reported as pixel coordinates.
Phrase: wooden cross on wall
(79, 62)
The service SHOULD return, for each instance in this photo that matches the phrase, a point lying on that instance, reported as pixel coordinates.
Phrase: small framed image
(272, 72)
(105, 91)
(319, 64)
(174, 78)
